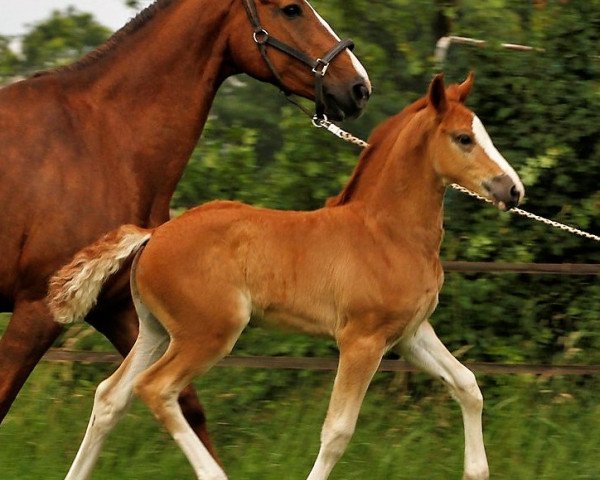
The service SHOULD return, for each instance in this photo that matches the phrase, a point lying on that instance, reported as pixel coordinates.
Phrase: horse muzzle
(504, 192)
(346, 102)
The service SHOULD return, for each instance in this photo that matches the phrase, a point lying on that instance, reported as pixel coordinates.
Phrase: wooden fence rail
(529, 268)
(330, 364)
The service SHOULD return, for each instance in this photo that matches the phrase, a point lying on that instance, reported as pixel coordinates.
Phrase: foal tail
(74, 289)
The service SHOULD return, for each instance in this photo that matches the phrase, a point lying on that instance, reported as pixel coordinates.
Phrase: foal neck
(395, 183)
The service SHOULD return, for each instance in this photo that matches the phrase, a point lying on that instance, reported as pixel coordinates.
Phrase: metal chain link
(338, 132)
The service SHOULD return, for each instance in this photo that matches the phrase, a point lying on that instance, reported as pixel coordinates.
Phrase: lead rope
(348, 137)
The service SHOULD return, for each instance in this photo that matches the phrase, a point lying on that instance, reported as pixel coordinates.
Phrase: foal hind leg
(120, 326)
(113, 395)
(192, 351)
(359, 360)
(426, 351)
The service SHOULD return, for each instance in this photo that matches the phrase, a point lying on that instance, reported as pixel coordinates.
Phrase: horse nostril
(361, 92)
(514, 193)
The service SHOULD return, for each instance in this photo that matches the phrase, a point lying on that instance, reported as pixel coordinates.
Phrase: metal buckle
(261, 36)
(320, 122)
(323, 67)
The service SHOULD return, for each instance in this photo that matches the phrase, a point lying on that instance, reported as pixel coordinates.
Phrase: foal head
(463, 152)
(345, 84)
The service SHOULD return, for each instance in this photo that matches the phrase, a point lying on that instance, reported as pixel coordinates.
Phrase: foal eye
(464, 139)
(292, 10)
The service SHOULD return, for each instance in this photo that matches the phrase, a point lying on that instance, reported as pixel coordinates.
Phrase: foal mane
(376, 142)
(130, 27)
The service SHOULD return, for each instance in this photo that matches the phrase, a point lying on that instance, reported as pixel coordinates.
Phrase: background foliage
(541, 109)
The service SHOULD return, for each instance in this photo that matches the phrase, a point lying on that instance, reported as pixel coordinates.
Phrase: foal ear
(465, 88)
(437, 94)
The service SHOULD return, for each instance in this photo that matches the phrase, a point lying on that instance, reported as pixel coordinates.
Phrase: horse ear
(465, 88)
(437, 94)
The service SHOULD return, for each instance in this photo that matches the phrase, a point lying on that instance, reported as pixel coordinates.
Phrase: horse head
(463, 151)
(287, 43)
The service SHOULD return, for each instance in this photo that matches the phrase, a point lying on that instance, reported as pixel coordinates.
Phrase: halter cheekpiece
(318, 66)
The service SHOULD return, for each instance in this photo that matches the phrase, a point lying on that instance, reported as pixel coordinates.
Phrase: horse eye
(464, 139)
(292, 10)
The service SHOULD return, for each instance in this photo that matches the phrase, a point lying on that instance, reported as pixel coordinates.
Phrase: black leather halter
(318, 66)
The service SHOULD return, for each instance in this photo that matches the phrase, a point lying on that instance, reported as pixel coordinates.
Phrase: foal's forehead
(459, 117)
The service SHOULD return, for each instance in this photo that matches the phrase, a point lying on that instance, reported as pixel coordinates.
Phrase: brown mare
(103, 142)
(365, 270)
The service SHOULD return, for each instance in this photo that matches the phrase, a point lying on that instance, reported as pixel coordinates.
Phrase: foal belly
(284, 320)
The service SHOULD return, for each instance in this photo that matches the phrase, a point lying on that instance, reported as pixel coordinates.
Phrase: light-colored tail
(74, 289)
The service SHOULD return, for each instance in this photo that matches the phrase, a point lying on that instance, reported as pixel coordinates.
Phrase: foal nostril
(360, 92)
(515, 194)
(504, 191)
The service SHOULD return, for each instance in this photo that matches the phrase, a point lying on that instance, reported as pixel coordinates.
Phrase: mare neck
(152, 91)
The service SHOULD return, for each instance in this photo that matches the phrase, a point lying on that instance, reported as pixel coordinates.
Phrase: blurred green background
(542, 111)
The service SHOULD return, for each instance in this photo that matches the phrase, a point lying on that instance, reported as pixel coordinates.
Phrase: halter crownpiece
(318, 66)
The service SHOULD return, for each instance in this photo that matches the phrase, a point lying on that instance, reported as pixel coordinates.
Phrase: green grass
(266, 426)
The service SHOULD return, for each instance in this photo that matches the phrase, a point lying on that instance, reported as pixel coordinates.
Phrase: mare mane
(111, 43)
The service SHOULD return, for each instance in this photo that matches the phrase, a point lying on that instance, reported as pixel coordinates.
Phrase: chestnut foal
(365, 269)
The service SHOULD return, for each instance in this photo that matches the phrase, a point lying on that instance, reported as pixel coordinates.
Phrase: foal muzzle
(504, 192)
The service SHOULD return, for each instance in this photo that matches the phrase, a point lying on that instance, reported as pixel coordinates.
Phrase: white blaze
(484, 140)
(355, 61)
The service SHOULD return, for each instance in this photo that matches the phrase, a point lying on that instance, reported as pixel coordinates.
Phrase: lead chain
(348, 137)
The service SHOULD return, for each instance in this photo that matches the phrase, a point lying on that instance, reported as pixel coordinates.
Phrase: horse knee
(335, 439)
(467, 392)
(109, 407)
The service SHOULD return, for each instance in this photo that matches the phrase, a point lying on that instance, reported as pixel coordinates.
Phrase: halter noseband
(319, 66)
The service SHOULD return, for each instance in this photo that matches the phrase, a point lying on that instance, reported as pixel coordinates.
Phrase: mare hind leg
(113, 396)
(359, 359)
(30, 333)
(198, 344)
(120, 326)
(426, 351)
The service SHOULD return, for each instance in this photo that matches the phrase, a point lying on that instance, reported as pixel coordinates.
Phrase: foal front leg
(359, 360)
(426, 351)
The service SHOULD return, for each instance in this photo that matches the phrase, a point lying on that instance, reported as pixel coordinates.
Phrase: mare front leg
(426, 351)
(359, 359)
(30, 332)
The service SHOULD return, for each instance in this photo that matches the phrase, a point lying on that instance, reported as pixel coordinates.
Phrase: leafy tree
(64, 37)
(8, 59)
